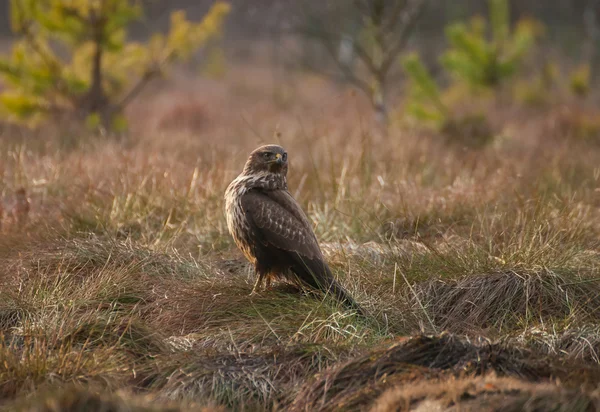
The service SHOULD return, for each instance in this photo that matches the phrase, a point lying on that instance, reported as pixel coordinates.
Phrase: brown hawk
(271, 229)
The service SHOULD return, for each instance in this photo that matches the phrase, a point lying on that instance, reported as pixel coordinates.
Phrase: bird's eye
(266, 155)
(284, 157)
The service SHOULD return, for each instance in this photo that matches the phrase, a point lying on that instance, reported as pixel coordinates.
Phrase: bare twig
(390, 25)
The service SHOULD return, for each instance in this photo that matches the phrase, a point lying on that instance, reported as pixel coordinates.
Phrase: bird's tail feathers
(318, 275)
(344, 297)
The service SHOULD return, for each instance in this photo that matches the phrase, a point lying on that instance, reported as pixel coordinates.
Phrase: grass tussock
(576, 341)
(356, 383)
(256, 378)
(488, 393)
(503, 300)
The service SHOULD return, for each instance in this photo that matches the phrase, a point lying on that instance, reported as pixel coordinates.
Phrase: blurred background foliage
(419, 62)
(74, 57)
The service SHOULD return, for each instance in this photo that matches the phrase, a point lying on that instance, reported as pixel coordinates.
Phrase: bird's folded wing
(279, 221)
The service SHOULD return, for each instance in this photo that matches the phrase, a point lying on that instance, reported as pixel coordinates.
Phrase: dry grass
(78, 399)
(356, 383)
(125, 285)
(484, 394)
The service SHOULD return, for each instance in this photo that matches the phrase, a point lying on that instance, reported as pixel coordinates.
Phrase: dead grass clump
(70, 344)
(10, 316)
(92, 253)
(254, 379)
(578, 342)
(87, 272)
(357, 382)
(31, 361)
(127, 333)
(499, 301)
(80, 399)
(487, 393)
(73, 312)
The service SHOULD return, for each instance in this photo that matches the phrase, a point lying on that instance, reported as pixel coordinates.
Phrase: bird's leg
(259, 278)
(268, 282)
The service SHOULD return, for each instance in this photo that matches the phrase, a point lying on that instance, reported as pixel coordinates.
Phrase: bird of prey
(271, 229)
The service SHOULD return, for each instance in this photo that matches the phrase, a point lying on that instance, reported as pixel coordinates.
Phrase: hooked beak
(278, 159)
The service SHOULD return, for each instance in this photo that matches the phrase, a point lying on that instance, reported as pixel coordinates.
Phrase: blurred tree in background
(72, 57)
(482, 57)
(364, 38)
(483, 61)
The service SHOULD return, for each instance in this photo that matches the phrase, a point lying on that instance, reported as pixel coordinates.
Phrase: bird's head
(269, 158)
